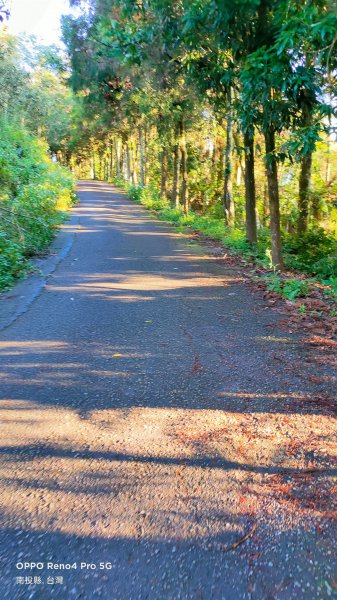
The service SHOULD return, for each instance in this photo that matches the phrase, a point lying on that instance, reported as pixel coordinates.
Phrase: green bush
(326, 266)
(332, 289)
(12, 263)
(35, 194)
(314, 252)
(290, 289)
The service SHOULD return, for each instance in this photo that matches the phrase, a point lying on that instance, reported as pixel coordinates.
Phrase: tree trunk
(316, 207)
(265, 200)
(128, 163)
(306, 161)
(135, 162)
(147, 134)
(163, 173)
(141, 158)
(304, 193)
(132, 166)
(250, 194)
(118, 159)
(93, 166)
(274, 200)
(124, 163)
(183, 156)
(219, 165)
(239, 165)
(229, 209)
(176, 174)
(111, 161)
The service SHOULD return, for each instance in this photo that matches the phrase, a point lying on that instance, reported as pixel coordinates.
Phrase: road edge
(16, 301)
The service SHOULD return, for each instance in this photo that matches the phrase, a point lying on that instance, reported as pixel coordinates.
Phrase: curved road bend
(143, 424)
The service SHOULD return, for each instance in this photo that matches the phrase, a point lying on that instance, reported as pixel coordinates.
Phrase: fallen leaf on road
(240, 541)
(196, 364)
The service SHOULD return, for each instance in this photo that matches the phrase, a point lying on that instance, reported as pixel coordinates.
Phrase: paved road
(147, 416)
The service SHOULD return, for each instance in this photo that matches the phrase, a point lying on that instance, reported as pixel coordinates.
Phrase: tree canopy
(223, 107)
(35, 129)
(224, 111)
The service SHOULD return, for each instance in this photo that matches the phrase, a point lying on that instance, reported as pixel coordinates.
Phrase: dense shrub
(314, 252)
(34, 195)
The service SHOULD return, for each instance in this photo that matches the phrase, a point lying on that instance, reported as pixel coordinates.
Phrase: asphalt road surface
(148, 419)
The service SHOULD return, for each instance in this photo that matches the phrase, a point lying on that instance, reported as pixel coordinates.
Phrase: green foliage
(12, 262)
(34, 92)
(149, 196)
(290, 289)
(35, 193)
(331, 290)
(302, 309)
(180, 95)
(314, 252)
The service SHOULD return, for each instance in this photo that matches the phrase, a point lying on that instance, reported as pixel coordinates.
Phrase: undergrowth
(35, 194)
